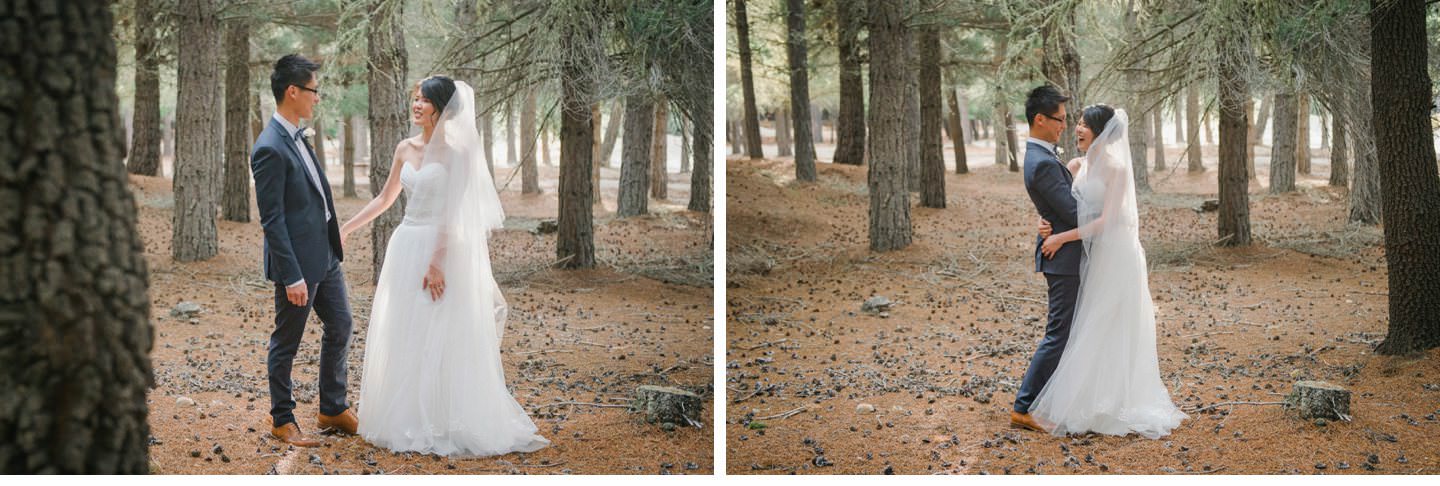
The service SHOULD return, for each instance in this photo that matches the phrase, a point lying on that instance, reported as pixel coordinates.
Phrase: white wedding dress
(1108, 379)
(433, 381)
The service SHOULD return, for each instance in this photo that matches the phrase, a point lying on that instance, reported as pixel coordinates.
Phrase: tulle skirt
(1108, 379)
(433, 381)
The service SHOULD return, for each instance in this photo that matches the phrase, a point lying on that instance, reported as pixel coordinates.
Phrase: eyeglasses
(1061, 120)
(316, 91)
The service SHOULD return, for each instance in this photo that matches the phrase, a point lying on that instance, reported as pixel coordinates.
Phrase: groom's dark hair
(1044, 99)
(293, 69)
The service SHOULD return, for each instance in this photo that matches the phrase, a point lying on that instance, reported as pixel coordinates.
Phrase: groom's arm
(269, 170)
(1050, 183)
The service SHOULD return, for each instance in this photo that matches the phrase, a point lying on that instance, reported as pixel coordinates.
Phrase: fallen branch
(1223, 404)
(782, 415)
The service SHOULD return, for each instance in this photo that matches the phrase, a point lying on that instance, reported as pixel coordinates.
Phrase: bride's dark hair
(1096, 116)
(437, 89)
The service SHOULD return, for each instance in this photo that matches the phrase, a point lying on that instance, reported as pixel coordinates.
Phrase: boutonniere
(307, 132)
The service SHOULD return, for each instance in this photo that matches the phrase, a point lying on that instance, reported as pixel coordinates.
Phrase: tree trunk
(575, 244)
(1179, 121)
(932, 148)
(1339, 155)
(1138, 139)
(1257, 132)
(529, 172)
(1159, 140)
(1324, 129)
(1192, 124)
(1401, 90)
(700, 169)
(1252, 135)
(782, 132)
(912, 113)
(800, 90)
(347, 154)
(658, 178)
(747, 84)
(612, 133)
(889, 198)
(1302, 134)
(1282, 154)
(1365, 179)
(685, 145)
(512, 136)
(199, 129)
(958, 129)
(144, 155)
(1234, 218)
(236, 198)
(635, 155)
(389, 95)
(487, 140)
(76, 318)
(597, 197)
(737, 137)
(545, 146)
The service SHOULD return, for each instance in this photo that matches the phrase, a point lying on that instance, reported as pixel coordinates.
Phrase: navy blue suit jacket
(1048, 183)
(298, 239)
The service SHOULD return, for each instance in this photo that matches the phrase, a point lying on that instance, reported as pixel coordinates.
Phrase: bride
(1108, 378)
(433, 381)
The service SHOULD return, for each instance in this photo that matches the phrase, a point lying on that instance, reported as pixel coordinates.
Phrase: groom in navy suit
(302, 253)
(1047, 180)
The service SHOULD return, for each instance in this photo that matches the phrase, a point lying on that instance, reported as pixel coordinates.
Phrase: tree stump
(662, 404)
(1318, 399)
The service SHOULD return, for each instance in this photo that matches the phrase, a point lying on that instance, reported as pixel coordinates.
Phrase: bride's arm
(387, 197)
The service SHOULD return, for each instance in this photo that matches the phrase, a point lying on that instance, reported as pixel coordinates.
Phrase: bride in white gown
(433, 381)
(1108, 379)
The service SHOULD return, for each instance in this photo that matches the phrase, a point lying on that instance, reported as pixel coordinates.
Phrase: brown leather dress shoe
(1024, 421)
(290, 434)
(346, 422)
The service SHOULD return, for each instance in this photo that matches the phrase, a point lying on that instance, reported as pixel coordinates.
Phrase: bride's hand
(1045, 229)
(434, 282)
(1051, 245)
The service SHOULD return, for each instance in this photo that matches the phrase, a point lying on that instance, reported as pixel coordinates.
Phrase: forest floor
(1235, 327)
(580, 337)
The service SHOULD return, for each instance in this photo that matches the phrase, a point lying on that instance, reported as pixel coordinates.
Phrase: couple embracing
(433, 381)
(1096, 369)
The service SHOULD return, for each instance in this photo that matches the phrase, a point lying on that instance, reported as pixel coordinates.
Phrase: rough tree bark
(144, 154)
(1234, 218)
(1159, 122)
(799, 61)
(701, 168)
(1302, 134)
(198, 133)
(1060, 64)
(389, 123)
(932, 148)
(782, 132)
(1192, 125)
(658, 178)
(1401, 92)
(76, 322)
(635, 156)
(1339, 154)
(235, 202)
(1282, 154)
(575, 244)
(1139, 116)
(529, 171)
(958, 129)
(347, 154)
(597, 198)
(889, 227)
(850, 124)
(912, 113)
(747, 84)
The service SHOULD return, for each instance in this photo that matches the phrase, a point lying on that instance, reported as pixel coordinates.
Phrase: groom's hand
(297, 294)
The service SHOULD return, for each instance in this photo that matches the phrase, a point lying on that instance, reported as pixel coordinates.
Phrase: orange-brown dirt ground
(584, 337)
(1306, 301)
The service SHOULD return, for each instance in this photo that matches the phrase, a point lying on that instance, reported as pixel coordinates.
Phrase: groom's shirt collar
(1047, 145)
(290, 129)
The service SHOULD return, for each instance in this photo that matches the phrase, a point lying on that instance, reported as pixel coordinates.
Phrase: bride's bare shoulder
(407, 146)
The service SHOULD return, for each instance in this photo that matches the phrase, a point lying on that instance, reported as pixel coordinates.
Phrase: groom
(1048, 183)
(302, 253)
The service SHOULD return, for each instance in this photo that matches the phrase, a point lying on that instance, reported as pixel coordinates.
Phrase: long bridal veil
(1108, 378)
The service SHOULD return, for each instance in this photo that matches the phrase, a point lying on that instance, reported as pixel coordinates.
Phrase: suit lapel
(300, 160)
